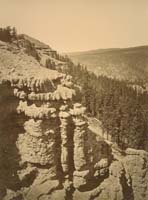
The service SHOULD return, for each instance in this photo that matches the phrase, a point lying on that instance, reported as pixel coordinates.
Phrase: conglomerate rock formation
(47, 150)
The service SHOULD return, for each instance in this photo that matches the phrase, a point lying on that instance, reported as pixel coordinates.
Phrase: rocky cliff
(47, 150)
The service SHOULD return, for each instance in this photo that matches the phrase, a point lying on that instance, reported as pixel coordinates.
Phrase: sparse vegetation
(31, 50)
(50, 64)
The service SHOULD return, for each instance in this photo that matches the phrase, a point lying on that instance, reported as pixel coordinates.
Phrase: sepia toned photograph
(73, 99)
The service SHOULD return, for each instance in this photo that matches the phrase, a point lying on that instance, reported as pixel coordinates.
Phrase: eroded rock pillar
(79, 136)
(64, 118)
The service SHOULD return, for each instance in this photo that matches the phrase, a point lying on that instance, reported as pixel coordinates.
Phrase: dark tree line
(31, 50)
(123, 110)
(50, 64)
(8, 34)
(63, 58)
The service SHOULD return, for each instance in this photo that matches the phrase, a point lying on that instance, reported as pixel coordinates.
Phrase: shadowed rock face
(46, 148)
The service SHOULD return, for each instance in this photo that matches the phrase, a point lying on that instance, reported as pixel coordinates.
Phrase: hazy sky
(75, 25)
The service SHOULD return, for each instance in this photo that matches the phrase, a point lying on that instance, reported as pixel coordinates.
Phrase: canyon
(47, 147)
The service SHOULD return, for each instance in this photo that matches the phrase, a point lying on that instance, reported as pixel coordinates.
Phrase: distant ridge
(106, 50)
(120, 63)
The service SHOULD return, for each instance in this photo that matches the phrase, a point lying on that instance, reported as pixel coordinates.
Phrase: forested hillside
(123, 64)
(122, 108)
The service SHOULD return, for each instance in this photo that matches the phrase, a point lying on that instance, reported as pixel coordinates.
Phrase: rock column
(64, 118)
(79, 136)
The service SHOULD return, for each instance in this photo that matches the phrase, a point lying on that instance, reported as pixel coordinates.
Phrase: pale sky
(77, 25)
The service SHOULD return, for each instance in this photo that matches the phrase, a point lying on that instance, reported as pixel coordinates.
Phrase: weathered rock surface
(127, 178)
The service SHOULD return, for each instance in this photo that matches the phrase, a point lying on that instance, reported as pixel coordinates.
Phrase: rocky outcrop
(136, 168)
(47, 150)
(52, 148)
(127, 178)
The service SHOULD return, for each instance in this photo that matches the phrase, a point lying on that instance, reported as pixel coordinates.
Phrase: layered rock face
(55, 150)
